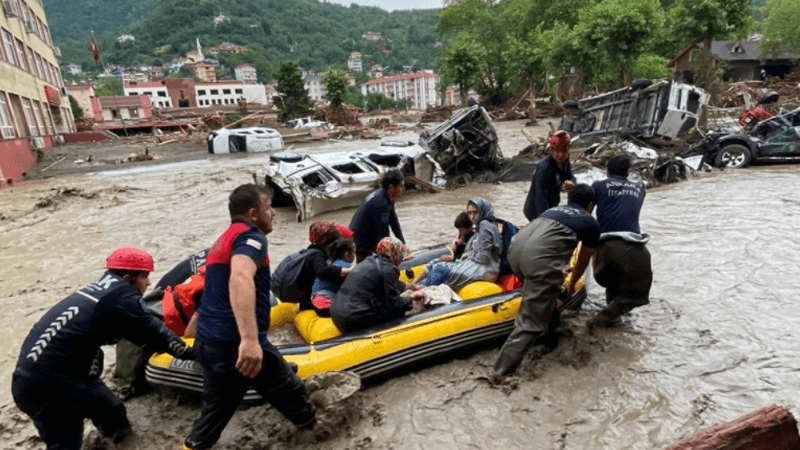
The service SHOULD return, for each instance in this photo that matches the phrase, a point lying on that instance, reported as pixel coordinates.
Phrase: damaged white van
(665, 109)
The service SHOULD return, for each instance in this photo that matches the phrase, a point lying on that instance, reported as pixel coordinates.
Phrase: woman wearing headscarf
(370, 295)
(482, 255)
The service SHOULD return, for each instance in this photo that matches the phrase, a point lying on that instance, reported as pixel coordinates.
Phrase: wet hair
(339, 247)
(462, 220)
(581, 195)
(392, 178)
(619, 165)
(134, 274)
(245, 197)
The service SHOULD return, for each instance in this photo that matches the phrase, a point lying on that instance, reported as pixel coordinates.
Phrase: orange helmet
(129, 258)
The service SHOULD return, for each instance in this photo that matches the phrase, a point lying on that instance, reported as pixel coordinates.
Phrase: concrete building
(315, 87)
(34, 107)
(418, 88)
(156, 92)
(226, 48)
(246, 73)
(115, 109)
(74, 69)
(354, 62)
(205, 73)
(82, 93)
(230, 93)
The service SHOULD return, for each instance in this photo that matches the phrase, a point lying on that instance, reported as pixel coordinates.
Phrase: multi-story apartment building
(315, 87)
(82, 93)
(418, 88)
(246, 73)
(34, 107)
(354, 62)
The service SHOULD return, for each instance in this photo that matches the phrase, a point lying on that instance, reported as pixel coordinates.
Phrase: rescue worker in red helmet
(550, 175)
(57, 377)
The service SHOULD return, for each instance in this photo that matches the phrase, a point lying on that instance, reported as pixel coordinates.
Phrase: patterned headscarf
(321, 232)
(485, 210)
(347, 233)
(392, 248)
(559, 140)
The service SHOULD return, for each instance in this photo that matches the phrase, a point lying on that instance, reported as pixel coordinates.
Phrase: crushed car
(465, 143)
(327, 182)
(251, 140)
(664, 110)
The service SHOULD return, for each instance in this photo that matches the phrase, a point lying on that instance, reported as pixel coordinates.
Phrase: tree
(77, 111)
(781, 29)
(292, 94)
(107, 87)
(336, 84)
(652, 67)
(619, 31)
(695, 21)
(460, 64)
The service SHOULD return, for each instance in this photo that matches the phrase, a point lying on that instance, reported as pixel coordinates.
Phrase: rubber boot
(512, 353)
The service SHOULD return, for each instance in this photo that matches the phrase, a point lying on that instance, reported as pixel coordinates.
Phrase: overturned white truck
(665, 109)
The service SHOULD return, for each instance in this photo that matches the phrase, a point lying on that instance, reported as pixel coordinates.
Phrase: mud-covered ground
(716, 342)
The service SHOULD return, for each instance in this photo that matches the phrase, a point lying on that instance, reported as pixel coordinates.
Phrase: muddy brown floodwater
(719, 339)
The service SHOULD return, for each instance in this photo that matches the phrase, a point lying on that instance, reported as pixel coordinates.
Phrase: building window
(38, 109)
(162, 94)
(39, 69)
(133, 112)
(6, 125)
(114, 114)
(26, 108)
(214, 92)
(226, 91)
(8, 43)
(133, 93)
(201, 92)
(21, 56)
(239, 91)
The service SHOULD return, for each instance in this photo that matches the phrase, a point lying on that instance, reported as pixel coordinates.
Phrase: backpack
(507, 231)
(285, 280)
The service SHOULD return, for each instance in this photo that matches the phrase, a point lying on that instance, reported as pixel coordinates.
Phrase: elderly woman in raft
(482, 255)
(370, 295)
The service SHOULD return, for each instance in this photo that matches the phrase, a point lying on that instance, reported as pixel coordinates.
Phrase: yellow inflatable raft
(486, 314)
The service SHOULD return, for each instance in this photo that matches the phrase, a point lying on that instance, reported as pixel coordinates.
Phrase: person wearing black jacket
(549, 176)
(57, 377)
(376, 215)
(321, 233)
(370, 295)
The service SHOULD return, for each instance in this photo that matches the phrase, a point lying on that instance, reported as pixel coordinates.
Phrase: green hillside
(312, 33)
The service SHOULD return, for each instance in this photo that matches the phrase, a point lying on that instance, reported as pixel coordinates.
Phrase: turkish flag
(95, 50)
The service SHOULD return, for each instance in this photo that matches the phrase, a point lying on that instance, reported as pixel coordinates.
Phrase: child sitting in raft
(321, 234)
(465, 233)
(342, 253)
(482, 259)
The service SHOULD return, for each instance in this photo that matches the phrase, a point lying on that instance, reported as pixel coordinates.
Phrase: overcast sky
(392, 5)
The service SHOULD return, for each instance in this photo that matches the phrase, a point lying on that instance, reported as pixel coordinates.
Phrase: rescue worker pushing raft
(57, 378)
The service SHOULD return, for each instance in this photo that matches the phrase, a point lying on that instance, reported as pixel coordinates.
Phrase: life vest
(181, 302)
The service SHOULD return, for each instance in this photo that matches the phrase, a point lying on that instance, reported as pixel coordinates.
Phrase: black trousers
(58, 408)
(224, 388)
(625, 270)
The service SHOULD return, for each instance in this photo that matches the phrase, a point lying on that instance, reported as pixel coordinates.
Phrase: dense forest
(314, 34)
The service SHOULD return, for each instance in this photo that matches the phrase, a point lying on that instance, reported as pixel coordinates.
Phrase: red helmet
(129, 258)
